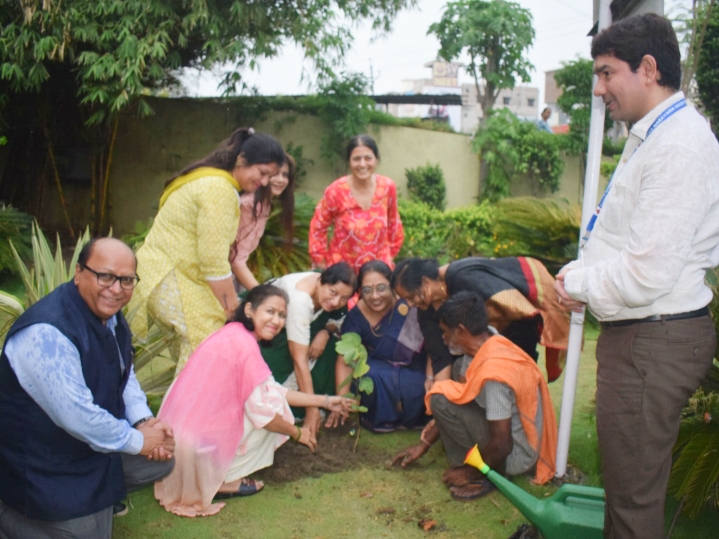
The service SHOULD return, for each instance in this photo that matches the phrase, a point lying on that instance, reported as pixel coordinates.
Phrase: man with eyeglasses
(77, 433)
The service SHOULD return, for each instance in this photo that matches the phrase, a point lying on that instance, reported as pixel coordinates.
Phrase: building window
(506, 100)
(530, 102)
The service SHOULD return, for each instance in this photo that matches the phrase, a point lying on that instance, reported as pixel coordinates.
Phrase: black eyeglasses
(106, 280)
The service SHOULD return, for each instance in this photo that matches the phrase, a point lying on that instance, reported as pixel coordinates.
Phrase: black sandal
(248, 487)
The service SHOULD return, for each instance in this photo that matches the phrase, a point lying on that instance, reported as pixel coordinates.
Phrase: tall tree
(575, 81)
(707, 71)
(67, 69)
(691, 29)
(496, 35)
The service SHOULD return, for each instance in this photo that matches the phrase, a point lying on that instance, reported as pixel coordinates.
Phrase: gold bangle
(299, 434)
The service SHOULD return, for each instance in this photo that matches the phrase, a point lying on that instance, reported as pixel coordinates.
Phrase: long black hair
(256, 297)
(263, 198)
(255, 148)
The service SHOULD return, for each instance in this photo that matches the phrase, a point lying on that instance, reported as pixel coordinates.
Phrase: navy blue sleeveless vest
(45, 473)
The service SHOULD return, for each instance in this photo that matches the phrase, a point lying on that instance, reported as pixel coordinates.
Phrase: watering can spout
(526, 503)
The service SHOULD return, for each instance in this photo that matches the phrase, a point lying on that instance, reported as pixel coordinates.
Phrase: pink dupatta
(205, 408)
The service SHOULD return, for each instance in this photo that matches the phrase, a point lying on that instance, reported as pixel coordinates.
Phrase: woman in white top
(303, 356)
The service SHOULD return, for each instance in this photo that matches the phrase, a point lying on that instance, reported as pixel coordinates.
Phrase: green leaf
(361, 369)
(366, 385)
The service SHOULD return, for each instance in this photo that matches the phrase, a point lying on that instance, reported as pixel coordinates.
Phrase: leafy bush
(14, 227)
(575, 81)
(344, 107)
(545, 229)
(512, 147)
(427, 185)
(449, 235)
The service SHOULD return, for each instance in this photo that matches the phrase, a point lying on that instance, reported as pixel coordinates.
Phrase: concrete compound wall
(150, 150)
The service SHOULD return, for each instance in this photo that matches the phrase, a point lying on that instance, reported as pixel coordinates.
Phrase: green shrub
(425, 230)
(458, 233)
(511, 147)
(427, 184)
(470, 231)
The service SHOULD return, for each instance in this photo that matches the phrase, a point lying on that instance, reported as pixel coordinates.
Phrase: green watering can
(573, 512)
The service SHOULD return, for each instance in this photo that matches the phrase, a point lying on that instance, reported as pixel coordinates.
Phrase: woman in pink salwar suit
(228, 414)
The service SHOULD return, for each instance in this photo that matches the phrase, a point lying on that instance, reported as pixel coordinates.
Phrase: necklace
(379, 325)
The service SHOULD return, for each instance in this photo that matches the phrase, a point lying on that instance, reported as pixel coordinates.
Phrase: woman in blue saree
(397, 359)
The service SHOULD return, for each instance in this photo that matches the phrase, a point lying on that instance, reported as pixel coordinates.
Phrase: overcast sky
(561, 28)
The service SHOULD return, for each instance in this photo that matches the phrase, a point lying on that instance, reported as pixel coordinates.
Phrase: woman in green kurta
(186, 285)
(302, 356)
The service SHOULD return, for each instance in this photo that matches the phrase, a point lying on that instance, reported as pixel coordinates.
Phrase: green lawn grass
(371, 501)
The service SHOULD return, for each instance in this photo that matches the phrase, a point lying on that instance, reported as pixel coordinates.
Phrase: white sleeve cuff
(574, 284)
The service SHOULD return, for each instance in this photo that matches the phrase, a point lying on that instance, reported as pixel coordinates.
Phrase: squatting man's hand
(158, 440)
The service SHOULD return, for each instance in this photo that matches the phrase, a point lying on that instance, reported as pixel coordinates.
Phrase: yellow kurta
(188, 245)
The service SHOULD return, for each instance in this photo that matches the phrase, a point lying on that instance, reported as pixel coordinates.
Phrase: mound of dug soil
(334, 454)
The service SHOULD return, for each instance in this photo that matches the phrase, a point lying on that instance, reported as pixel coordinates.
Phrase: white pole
(591, 187)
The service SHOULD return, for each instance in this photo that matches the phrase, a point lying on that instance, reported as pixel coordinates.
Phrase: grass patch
(372, 502)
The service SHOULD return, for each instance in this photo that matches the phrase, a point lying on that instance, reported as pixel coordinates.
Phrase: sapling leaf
(362, 409)
(362, 354)
(361, 369)
(353, 338)
(366, 385)
(345, 347)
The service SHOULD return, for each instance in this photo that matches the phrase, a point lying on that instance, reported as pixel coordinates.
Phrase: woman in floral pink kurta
(367, 225)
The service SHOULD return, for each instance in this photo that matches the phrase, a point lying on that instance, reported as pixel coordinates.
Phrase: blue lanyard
(663, 117)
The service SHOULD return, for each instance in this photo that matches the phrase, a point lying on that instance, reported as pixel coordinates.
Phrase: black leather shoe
(119, 510)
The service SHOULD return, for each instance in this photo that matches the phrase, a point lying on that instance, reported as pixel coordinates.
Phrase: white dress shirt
(658, 231)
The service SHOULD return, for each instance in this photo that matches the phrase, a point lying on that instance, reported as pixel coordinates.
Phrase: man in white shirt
(641, 269)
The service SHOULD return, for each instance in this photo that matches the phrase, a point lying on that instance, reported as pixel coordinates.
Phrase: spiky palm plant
(47, 271)
(545, 229)
(272, 258)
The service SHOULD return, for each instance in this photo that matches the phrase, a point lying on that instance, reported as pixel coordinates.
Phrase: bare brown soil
(334, 454)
